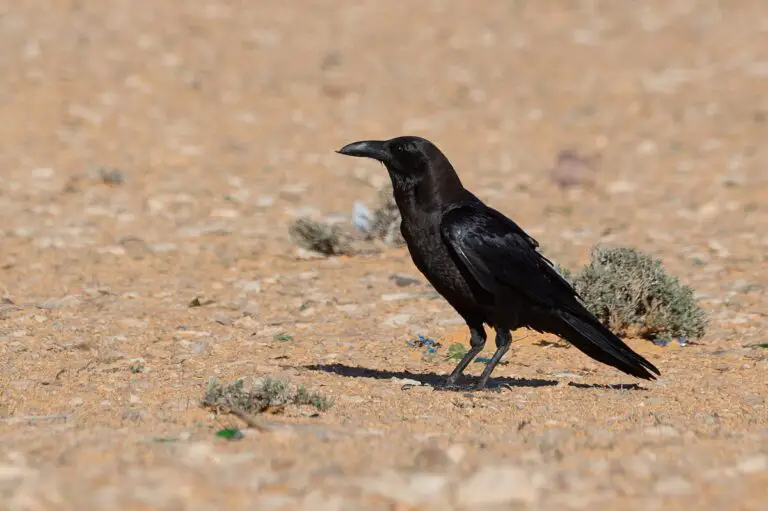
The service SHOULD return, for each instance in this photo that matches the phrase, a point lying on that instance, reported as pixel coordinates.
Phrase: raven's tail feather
(595, 340)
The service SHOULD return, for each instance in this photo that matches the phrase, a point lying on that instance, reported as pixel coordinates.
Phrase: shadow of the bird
(431, 379)
(437, 380)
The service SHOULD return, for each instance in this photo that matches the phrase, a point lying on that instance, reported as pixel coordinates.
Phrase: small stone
(674, 485)
(411, 489)
(135, 247)
(111, 176)
(497, 485)
(68, 301)
(456, 452)
(396, 320)
(247, 323)
(391, 297)
(753, 464)
(198, 347)
(405, 381)
(223, 319)
(662, 431)
(601, 438)
(637, 466)
(249, 286)
(226, 213)
(432, 458)
(134, 399)
(265, 201)
(350, 310)
(164, 248)
(131, 323)
(618, 187)
(403, 280)
(76, 401)
(250, 308)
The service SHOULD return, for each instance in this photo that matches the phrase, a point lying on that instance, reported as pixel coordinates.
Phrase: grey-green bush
(632, 294)
(320, 237)
(270, 393)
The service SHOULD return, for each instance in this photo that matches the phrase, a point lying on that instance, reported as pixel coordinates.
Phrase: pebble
(432, 458)
(391, 297)
(753, 464)
(68, 301)
(456, 452)
(226, 213)
(250, 308)
(674, 485)
(135, 248)
(249, 286)
(164, 248)
(403, 280)
(131, 323)
(198, 347)
(662, 431)
(223, 319)
(412, 489)
(601, 438)
(396, 320)
(496, 485)
(617, 187)
(638, 466)
(405, 381)
(247, 323)
(265, 201)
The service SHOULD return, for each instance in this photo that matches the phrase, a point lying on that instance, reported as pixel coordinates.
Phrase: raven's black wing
(504, 261)
(502, 258)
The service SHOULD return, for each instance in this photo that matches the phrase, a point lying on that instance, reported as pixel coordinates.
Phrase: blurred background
(659, 102)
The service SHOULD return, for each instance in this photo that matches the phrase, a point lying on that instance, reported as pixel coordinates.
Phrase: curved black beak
(366, 149)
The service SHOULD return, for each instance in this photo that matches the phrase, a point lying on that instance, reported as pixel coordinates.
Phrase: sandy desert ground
(156, 152)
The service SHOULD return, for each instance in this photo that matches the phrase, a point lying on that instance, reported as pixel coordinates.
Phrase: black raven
(483, 263)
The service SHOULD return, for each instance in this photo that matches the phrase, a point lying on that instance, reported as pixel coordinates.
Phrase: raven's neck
(432, 192)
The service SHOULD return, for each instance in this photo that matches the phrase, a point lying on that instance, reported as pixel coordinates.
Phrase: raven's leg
(476, 343)
(503, 341)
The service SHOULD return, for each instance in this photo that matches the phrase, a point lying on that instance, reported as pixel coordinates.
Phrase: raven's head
(406, 158)
(416, 167)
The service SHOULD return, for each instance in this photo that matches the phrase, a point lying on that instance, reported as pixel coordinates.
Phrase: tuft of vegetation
(230, 434)
(456, 351)
(319, 401)
(383, 224)
(632, 294)
(321, 237)
(268, 395)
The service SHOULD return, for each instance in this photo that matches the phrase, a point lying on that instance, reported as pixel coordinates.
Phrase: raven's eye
(400, 148)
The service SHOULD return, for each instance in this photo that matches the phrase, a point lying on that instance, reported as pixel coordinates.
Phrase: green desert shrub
(321, 237)
(267, 394)
(632, 294)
